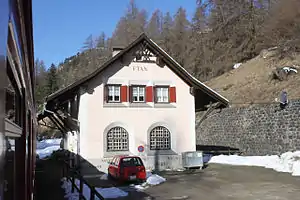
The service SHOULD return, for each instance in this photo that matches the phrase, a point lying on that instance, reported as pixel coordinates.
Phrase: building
(140, 102)
(17, 108)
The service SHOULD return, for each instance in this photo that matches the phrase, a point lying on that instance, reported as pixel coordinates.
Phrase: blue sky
(61, 26)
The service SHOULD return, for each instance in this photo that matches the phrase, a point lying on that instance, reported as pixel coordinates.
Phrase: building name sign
(139, 69)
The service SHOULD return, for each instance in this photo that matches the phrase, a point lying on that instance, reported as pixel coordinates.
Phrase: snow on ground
(111, 192)
(152, 179)
(237, 65)
(104, 177)
(46, 147)
(48, 142)
(287, 162)
(155, 179)
(43, 153)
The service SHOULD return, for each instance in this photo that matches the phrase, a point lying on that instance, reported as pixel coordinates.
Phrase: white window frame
(159, 90)
(139, 93)
(114, 93)
(160, 138)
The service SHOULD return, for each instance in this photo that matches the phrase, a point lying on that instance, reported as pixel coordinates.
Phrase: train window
(12, 104)
(14, 35)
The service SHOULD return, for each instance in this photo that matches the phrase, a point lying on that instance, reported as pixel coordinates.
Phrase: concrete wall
(256, 130)
(97, 117)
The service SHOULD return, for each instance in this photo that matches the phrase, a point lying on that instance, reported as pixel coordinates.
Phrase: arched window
(117, 139)
(160, 138)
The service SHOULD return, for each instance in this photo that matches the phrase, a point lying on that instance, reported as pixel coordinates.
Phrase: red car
(127, 168)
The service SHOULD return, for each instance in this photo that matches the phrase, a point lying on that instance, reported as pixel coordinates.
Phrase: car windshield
(130, 162)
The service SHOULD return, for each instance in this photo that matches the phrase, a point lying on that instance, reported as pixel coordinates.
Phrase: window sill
(109, 154)
(112, 105)
(12, 129)
(161, 152)
(139, 105)
(164, 105)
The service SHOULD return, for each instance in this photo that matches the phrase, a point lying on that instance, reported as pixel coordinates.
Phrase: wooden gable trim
(175, 67)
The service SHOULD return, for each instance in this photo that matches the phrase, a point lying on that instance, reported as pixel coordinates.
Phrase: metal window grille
(160, 138)
(117, 139)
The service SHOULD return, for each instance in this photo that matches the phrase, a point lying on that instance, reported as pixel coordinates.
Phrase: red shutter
(149, 94)
(105, 94)
(124, 93)
(172, 94)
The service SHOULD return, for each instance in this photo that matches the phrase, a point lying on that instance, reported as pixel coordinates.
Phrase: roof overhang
(203, 94)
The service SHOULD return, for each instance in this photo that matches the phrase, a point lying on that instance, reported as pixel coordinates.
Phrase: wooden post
(73, 181)
(81, 188)
(92, 196)
(63, 168)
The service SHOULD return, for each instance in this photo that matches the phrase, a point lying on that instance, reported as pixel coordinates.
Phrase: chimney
(116, 50)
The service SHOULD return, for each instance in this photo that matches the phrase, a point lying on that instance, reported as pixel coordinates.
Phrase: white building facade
(139, 103)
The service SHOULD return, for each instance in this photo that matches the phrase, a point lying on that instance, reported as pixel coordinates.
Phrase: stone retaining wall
(255, 130)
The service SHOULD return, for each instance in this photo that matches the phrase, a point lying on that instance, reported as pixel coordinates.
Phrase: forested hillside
(221, 33)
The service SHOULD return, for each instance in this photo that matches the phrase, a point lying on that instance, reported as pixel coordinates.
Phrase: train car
(17, 108)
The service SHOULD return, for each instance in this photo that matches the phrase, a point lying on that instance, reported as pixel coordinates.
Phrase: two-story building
(140, 102)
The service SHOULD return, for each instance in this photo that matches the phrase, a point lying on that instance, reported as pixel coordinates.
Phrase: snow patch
(104, 177)
(288, 162)
(111, 192)
(43, 153)
(46, 147)
(155, 179)
(141, 187)
(237, 65)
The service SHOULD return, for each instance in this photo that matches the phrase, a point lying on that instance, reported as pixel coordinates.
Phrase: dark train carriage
(17, 108)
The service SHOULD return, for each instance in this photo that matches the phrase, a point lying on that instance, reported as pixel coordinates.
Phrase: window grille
(117, 139)
(160, 138)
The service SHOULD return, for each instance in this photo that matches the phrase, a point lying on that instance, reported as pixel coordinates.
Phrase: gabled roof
(152, 46)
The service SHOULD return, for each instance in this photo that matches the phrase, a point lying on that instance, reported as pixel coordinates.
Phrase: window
(138, 93)
(113, 93)
(131, 162)
(117, 139)
(160, 138)
(13, 98)
(162, 94)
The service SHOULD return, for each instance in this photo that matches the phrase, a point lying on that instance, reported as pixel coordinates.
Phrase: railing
(72, 174)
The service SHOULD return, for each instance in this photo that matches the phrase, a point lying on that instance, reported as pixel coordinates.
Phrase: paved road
(228, 182)
(218, 182)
